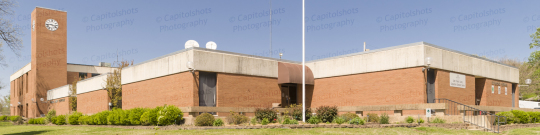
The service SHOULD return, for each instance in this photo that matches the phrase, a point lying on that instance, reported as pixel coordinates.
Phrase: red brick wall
(246, 91)
(49, 54)
(61, 108)
(72, 76)
(93, 102)
(462, 95)
(401, 86)
(496, 99)
(177, 89)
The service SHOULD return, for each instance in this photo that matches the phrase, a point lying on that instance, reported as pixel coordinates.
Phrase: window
(83, 75)
(94, 74)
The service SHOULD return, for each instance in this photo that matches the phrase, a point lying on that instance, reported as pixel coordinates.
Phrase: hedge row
(161, 115)
(521, 117)
(36, 121)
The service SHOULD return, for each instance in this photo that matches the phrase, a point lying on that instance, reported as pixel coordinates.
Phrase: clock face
(51, 24)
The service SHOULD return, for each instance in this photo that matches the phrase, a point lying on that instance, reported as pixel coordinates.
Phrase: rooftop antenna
(211, 45)
(270, 28)
(191, 43)
(364, 46)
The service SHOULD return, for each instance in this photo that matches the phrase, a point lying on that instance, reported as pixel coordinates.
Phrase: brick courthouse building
(388, 76)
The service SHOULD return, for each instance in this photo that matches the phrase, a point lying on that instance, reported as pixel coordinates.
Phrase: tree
(9, 34)
(73, 96)
(4, 105)
(532, 67)
(114, 83)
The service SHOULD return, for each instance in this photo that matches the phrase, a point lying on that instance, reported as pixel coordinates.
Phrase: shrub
(357, 121)
(236, 119)
(289, 121)
(314, 120)
(339, 120)
(535, 117)
(372, 117)
(135, 115)
(297, 112)
(349, 116)
(218, 122)
(438, 120)
(83, 120)
(74, 118)
(101, 118)
(150, 117)
(420, 120)
(265, 121)
(521, 116)
(327, 113)
(385, 119)
(60, 120)
(31, 121)
(204, 119)
(254, 121)
(170, 115)
(509, 117)
(40, 121)
(409, 119)
(90, 120)
(145, 118)
(3, 117)
(53, 119)
(114, 117)
(50, 115)
(270, 114)
(15, 118)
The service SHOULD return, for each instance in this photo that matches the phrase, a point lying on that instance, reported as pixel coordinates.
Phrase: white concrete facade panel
(89, 69)
(159, 67)
(412, 55)
(60, 92)
(21, 72)
(92, 84)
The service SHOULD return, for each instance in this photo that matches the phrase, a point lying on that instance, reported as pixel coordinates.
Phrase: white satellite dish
(211, 45)
(191, 43)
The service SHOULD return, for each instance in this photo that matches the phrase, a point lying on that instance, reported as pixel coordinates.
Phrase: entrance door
(285, 96)
(430, 89)
(288, 95)
(292, 94)
(514, 86)
(207, 89)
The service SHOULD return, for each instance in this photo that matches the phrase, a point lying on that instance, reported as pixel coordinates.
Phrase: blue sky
(147, 29)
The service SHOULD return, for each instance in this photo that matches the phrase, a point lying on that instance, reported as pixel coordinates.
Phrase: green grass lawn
(8, 129)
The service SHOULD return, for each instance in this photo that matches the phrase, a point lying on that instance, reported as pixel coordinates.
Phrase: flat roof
(407, 45)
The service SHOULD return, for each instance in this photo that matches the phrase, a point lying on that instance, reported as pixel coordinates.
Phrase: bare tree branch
(10, 34)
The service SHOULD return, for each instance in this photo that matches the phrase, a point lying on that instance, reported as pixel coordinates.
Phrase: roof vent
(104, 64)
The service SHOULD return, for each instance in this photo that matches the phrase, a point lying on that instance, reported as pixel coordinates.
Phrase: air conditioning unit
(104, 64)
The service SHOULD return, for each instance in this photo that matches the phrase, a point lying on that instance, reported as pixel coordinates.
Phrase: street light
(528, 82)
(280, 54)
(428, 62)
(110, 105)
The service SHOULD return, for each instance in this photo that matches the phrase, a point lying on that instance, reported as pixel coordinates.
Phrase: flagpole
(303, 62)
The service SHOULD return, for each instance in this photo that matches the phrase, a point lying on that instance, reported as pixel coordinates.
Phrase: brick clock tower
(49, 58)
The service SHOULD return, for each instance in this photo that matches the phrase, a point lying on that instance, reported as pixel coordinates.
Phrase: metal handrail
(475, 112)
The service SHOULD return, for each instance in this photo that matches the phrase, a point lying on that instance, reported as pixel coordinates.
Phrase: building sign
(428, 112)
(457, 80)
(499, 89)
(492, 89)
